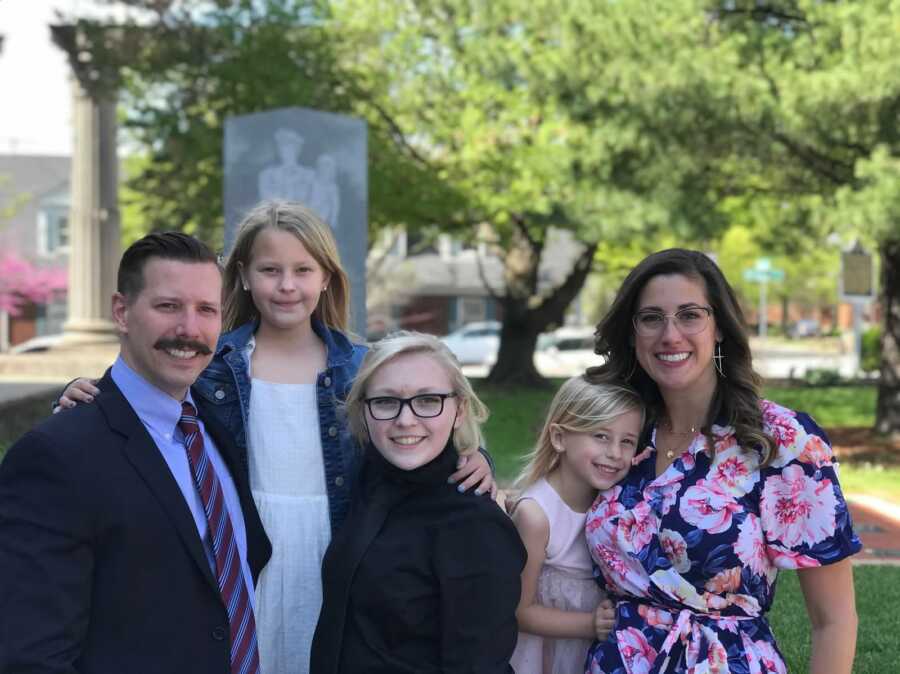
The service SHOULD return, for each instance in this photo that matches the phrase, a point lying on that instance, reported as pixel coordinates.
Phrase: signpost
(762, 272)
(857, 288)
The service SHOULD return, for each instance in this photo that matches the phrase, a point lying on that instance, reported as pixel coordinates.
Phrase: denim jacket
(225, 384)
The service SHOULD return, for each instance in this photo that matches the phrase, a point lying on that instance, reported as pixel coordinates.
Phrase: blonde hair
(467, 437)
(580, 407)
(333, 308)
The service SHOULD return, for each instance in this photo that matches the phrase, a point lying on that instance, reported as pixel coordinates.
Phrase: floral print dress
(691, 556)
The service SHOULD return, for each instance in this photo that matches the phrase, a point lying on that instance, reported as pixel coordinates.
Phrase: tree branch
(761, 13)
(839, 173)
(394, 129)
(519, 221)
(483, 276)
(553, 307)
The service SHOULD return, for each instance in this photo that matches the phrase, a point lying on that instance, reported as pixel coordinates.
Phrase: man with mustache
(129, 541)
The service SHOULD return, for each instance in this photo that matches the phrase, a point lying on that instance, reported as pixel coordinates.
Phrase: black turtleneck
(420, 578)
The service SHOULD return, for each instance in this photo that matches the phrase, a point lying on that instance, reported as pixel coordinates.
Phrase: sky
(35, 94)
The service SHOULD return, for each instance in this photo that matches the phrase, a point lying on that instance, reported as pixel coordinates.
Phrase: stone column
(95, 242)
(94, 228)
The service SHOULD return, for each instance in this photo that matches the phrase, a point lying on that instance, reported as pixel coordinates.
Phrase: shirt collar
(157, 410)
(338, 347)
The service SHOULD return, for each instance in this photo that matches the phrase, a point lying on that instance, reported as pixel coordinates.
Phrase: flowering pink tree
(21, 283)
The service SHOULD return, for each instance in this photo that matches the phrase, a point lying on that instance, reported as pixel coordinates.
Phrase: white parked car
(36, 344)
(566, 352)
(475, 343)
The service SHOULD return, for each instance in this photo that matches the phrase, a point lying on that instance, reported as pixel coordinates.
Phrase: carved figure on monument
(316, 188)
(325, 197)
(290, 179)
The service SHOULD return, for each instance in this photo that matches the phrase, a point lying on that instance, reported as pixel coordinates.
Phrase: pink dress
(566, 582)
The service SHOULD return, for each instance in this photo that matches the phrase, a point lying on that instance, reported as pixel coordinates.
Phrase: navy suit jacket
(101, 566)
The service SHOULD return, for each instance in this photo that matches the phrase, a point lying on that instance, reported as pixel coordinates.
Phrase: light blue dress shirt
(160, 413)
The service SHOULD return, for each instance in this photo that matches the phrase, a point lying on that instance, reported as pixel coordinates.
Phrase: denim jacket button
(339, 481)
(219, 394)
(326, 381)
(332, 431)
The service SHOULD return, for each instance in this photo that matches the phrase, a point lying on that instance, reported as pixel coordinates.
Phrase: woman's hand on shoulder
(81, 390)
(473, 469)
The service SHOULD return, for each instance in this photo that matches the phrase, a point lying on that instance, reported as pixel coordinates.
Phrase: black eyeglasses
(690, 321)
(424, 405)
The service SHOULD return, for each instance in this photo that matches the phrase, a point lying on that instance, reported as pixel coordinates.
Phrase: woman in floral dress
(729, 489)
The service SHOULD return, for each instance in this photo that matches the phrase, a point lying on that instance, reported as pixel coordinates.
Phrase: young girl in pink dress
(586, 445)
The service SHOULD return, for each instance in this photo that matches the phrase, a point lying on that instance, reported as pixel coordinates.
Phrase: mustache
(182, 345)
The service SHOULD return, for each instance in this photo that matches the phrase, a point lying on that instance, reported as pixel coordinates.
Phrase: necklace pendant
(670, 453)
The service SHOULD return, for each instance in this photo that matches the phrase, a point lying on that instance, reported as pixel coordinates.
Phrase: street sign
(758, 276)
(857, 279)
(762, 272)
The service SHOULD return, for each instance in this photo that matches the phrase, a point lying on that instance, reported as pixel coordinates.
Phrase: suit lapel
(144, 455)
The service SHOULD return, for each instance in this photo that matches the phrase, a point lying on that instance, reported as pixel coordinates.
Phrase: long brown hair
(736, 401)
(333, 308)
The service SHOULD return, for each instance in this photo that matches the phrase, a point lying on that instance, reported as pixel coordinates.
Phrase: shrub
(822, 376)
(871, 350)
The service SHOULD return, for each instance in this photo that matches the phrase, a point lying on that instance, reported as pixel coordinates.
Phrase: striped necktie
(242, 625)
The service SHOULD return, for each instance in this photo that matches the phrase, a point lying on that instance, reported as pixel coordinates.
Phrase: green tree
(813, 101)
(538, 115)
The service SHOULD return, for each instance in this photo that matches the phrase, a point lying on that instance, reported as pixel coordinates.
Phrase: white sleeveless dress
(566, 582)
(287, 478)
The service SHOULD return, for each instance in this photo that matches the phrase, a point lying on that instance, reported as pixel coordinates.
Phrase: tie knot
(188, 421)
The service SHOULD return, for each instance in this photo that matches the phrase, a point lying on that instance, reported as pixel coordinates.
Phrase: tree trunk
(887, 415)
(515, 359)
(526, 313)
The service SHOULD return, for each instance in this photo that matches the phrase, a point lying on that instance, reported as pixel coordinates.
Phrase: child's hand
(473, 469)
(79, 391)
(604, 619)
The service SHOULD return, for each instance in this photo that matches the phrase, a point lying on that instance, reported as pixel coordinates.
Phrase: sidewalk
(877, 523)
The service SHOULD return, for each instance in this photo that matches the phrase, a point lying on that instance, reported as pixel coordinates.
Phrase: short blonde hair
(333, 308)
(579, 406)
(467, 437)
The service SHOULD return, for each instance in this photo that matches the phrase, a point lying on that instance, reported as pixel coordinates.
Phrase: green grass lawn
(829, 405)
(877, 599)
(871, 479)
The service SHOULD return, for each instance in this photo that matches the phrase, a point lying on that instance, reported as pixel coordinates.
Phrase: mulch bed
(861, 445)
